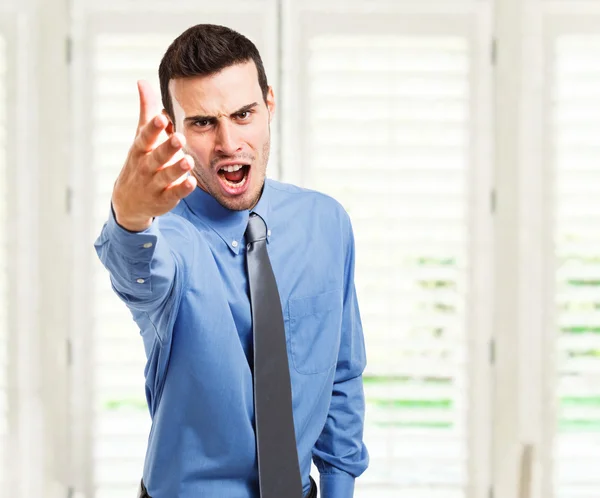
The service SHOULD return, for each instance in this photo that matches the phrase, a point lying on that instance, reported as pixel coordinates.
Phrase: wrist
(131, 224)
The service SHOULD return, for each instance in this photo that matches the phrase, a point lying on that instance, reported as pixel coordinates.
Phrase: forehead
(222, 92)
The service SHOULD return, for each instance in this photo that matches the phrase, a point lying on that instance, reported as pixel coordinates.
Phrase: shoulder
(317, 203)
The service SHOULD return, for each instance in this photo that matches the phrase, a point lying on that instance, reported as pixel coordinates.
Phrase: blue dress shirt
(184, 280)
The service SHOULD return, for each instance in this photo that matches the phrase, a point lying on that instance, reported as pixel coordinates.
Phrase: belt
(311, 494)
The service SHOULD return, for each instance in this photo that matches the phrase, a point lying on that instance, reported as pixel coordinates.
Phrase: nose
(227, 141)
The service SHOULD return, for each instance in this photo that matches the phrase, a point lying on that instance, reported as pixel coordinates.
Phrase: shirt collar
(229, 225)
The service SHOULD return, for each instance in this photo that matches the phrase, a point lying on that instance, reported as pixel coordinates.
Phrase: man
(248, 376)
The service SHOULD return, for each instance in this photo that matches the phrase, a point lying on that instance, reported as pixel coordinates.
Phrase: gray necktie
(278, 468)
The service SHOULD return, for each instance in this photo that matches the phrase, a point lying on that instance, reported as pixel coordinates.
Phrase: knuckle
(142, 168)
(140, 143)
(174, 172)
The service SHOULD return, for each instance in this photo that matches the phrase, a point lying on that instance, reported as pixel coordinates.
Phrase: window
(111, 52)
(575, 121)
(388, 128)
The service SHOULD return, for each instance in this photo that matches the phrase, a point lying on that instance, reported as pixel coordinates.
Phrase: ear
(170, 129)
(270, 103)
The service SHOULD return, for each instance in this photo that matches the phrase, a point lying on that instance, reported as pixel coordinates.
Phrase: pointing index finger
(148, 103)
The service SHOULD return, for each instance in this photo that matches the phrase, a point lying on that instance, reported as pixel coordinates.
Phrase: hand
(155, 175)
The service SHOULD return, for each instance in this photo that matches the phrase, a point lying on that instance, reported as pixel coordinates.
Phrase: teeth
(232, 168)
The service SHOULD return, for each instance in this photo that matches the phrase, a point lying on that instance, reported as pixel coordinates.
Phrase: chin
(242, 203)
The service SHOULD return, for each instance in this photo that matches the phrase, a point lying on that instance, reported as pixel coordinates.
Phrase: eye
(244, 115)
(202, 123)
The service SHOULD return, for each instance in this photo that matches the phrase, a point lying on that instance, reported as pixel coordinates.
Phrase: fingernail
(175, 141)
(158, 121)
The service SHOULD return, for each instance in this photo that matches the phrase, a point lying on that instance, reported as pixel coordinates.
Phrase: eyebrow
(198, 117)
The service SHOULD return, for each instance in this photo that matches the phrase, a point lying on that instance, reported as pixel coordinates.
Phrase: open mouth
(234, 176)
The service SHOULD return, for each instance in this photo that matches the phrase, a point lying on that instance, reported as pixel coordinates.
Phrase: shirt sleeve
(340, 454)
(144, 272)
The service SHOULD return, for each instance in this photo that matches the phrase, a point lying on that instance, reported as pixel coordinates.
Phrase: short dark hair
(203, 50)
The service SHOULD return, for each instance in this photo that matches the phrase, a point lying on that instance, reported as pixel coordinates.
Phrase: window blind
(575, 121)
(389, 123)
(389, 138)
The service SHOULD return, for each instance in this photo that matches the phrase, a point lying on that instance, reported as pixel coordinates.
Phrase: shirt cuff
(338, 485)
(134, 245)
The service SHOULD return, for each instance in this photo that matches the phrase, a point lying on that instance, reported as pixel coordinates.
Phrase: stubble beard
(206, 181)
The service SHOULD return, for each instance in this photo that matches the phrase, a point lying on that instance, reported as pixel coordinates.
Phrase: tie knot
(256, 230)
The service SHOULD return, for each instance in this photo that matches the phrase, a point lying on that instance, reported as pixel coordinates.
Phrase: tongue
(234, 177)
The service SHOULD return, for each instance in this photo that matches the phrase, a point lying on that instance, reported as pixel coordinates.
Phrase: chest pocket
(315, 329)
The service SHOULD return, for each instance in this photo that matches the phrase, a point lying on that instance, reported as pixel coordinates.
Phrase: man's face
(226, 123)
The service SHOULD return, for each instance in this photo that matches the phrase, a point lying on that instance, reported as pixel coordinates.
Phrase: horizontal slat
(117, 491)
(452, 88)
(391, 136)
(584, 368)
(119, 447)
(426, 491)
(378, 106)
(415, 392)
(193, 7)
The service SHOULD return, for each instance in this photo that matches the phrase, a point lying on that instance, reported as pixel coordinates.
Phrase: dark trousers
(311, 494)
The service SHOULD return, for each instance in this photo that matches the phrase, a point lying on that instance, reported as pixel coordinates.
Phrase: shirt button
(140, 280)
(234, 243)
(147, 245)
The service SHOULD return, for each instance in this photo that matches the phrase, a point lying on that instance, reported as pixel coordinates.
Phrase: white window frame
(37, 403)
(8, 32)
(518, 272)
